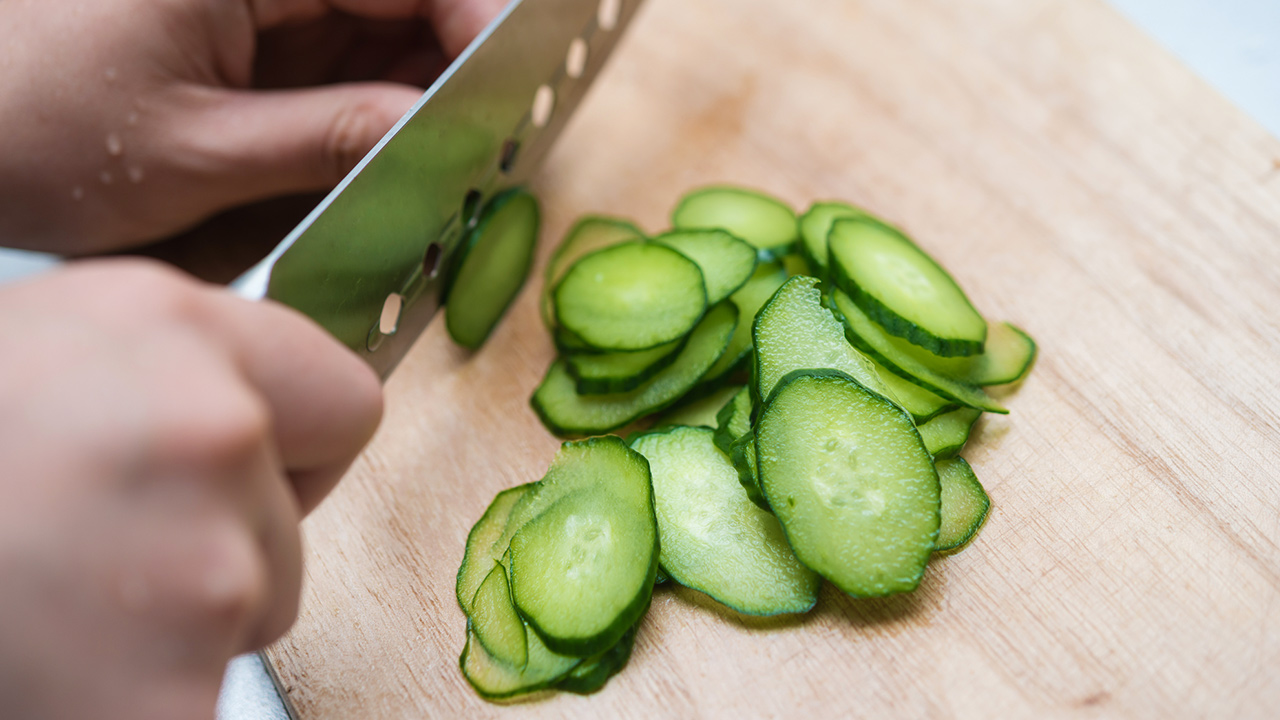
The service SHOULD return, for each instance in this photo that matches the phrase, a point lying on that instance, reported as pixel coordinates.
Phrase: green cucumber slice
(632, 296)
(964, 505)
(743, 455)
(733, 421)
(486, 544)
(946, 434)
(701, 411)
(763, 221)
(713, 538)
(591, 674)
(921, 403)
(749, 299)
(565, 412)
(850, 480)
(620, 372)
(582, 571)
(870, 338)
(726, 262)
(900, 287)
(795, 264)
(1006, 357)
(491, 267)
(815, 223)
(495, 680)
(495, 622)
(591, 233)
(795, 332)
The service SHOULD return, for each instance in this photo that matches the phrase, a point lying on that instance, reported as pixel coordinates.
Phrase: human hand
(131, 120)
(161, 439)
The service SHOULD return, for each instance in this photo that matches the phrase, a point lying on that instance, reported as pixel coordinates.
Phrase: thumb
(250, 145)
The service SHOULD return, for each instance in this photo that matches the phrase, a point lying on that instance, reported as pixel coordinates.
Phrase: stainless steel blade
(368, 262)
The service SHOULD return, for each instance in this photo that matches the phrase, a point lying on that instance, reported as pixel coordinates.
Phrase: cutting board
(1078, 182)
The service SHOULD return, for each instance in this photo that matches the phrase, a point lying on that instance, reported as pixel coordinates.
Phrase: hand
(131, 120)
(160, 441)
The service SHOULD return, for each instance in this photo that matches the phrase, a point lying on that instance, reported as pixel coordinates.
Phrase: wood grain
(1079, 182)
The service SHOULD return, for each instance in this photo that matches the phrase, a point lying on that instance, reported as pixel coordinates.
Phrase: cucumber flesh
(713, 538)
(632, 296)
(620, 372)
(964, 505)
(486, 543)
(582, 571)
(492, 267)
(566, 412)
(795, 332)
(592, 673)
(763, 221)
(494, 679)
(734, 420)
(699, 412)
(795, 264)
(849, 479)
(900, 287)
(871, 339)
(749, 299)
(726, 262)
(946, 434)
(495, 622)
(921, 403)
(1006, 357)
(591, 233)
(815, 224)
(743, 455)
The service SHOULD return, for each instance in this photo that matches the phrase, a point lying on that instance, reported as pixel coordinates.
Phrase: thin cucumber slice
(921, 403)
(565, 412)
(701, 412)
(713, 538)
(620, 372)
(582, 571)
(632, 296)
(900, 287)
(795, 264)
(765, 222)
(726, 262)
(744, 459)
(733, 421)
(946, 434)
(749, 299)
(492, 267)
(795, 332)
(849, 479)
(1006, 357)
(815, 223)
(870, 338)
(495, 680)
(592, 673)
(486, 544)
(964, 505)
(591, 233)
(495, 622)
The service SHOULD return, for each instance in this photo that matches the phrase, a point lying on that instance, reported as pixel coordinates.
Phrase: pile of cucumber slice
(799, 390)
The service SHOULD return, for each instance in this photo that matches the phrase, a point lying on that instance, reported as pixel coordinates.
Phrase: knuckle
(233, 586)
(354, 130)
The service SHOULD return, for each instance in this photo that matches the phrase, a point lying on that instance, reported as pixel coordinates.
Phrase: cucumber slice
(964, 505)
(744, 459)
(620, 372)
(795, 264)
(589, 234)
(491, 267)
(795, 332)
(591, 674)
(871, 339)
(921, 403)
(814, 226)
(495, 622)
(946, 434)
(900, 287)
(733, 421)
(849, 479)
(764, 222)
(749, 299)
(486, 544)
(582, 571)
(701, 412)
(713, 538)
(1006, 357)
(566, 412)
(633, 296)
(726, 262)
(495, 680)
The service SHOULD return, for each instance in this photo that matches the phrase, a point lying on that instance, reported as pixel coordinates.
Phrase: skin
(161, 439)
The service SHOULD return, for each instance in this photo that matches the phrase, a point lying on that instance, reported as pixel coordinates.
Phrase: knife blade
(368, 262)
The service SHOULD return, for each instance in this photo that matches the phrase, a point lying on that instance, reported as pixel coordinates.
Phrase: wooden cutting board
(1079, 182)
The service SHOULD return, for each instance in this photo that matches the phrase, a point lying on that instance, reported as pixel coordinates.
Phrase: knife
(368, 263)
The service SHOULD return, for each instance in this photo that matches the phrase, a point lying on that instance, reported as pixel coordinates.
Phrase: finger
(456, 22)
(244, 146)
